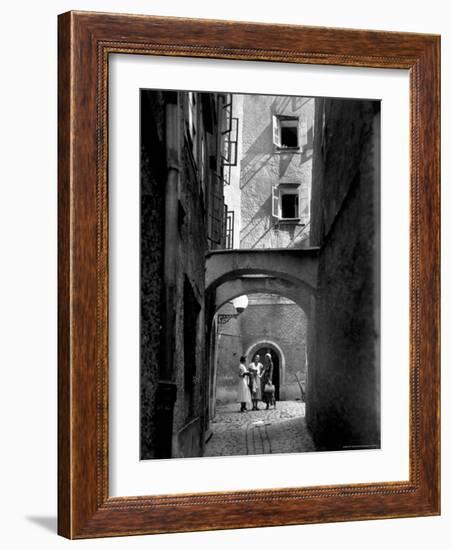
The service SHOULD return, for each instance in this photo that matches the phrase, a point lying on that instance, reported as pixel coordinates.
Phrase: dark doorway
(275, 358)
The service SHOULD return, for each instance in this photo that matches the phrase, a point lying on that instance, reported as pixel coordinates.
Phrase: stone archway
(298, 266)
(289, 273)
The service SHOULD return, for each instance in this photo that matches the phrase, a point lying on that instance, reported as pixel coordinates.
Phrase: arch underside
(298, 267)
(229, 290)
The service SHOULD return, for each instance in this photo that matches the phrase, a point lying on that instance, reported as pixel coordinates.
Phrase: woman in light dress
(243, 390)
(255, 370)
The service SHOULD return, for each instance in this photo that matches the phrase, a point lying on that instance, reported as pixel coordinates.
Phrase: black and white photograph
(259, 274)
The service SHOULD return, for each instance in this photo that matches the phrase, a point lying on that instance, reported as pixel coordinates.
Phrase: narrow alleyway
(280, 430)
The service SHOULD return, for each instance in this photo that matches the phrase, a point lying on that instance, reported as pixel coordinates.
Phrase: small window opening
(289, 133)
(289, 205)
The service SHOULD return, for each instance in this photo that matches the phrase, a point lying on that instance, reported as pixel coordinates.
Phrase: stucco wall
(229, 350)
(232, 195)
(262, 166)
(344, 382)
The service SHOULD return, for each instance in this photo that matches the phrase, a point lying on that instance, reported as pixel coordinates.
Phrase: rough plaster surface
(343, 390)
(192, 248)
(262, 166)
(152, 185)
(189, 410)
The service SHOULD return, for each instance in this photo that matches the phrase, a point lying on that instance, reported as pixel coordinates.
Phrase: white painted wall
(28, 272)
(232, 195)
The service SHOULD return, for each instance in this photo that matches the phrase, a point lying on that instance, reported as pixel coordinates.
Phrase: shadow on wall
(288, 159)
(257, 156)
(259, 145)
(253, 167)
(261, 215)
(294, 103)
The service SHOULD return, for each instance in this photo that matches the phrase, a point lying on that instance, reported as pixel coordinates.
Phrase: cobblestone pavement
(280, 430)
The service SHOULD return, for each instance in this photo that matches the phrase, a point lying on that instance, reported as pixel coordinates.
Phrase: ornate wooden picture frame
(86, 40)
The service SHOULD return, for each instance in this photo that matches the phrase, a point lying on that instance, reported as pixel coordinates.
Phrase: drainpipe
(166, 389)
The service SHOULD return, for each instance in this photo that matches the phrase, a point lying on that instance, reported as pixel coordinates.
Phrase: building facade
(182, 217)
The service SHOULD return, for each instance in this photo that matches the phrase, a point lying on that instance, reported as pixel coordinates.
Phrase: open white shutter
(304, 205)
(303, 211)
(275, 200)
(303, 133)
(297, 205)
(276, 132)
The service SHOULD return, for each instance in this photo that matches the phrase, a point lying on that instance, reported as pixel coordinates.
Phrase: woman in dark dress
(268, 389)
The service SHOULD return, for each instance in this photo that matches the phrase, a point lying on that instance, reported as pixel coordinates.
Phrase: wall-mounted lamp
(240, 304)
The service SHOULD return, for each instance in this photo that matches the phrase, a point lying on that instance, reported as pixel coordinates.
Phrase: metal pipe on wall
(166, 391)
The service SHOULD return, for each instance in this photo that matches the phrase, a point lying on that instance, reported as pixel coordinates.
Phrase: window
(228, 227)
(286, 202)
(289, 205)
(289, 133)
(285, 132)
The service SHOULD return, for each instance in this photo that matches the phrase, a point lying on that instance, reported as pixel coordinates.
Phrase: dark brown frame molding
(85, 42)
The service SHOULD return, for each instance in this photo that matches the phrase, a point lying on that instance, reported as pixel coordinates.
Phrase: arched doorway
(279, 361)
(276, 367)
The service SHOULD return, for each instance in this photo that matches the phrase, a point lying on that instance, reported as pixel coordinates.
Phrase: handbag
(269, 388)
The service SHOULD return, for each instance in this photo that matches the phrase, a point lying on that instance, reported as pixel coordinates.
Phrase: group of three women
(256, 383)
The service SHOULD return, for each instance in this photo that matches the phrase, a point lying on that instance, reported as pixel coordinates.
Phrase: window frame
(292, 193)
(277, 133)
(280, 189)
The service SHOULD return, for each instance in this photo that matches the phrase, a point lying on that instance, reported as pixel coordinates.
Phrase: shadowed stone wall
(153, 176)
(343, 400)
(189, 405)
(177, 427)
